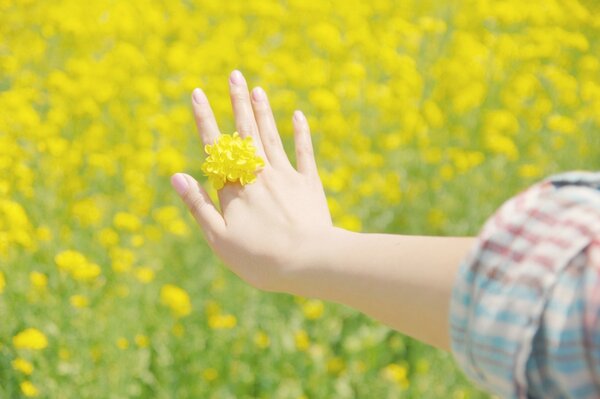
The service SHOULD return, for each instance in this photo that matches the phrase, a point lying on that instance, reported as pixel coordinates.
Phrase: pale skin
(277, 234)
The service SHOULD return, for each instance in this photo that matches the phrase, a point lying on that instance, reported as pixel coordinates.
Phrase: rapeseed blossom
(231, 158)
(335, 365)
(29, 390)
(38, 280)
(413, 108)
(397, 373)
(77, 265)
(79, 301)
(69, 260)
(122, 343)
(261, 339)
(222, 321)
(313, 309)
(177, 299)
(86, 272)
(144, 274)
(22, 365)
(210, 374)
(302, 340)
(30, 338)
(126, 221)
(142, 341)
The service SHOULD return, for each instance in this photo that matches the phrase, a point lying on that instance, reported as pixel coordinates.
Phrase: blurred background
(426, 116)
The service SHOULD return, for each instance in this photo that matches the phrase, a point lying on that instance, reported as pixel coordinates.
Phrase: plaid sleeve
(526, 300)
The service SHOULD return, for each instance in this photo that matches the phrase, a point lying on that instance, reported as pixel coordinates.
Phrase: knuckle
(245, 127)
(195, 203)
(305, 150)
(271, 139)
(238, 95)
(201, 112)
(262, 108)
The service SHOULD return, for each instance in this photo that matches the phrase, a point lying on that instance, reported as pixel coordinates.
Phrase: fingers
(305, 158)
(245, 123)
(200, 205)
(204, 117)
(268, 129)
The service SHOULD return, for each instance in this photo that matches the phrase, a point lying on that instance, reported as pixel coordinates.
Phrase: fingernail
(237, 77)
(299, 116)
(258, 94)
(198, 96)
(179, 183)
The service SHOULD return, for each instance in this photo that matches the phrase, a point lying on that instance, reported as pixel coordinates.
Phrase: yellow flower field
(426, 116)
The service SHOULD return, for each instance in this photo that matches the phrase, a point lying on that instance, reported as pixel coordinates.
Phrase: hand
(264, 226)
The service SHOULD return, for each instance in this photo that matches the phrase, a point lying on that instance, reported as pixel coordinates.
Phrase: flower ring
(231, 158)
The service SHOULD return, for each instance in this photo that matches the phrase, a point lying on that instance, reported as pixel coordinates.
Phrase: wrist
(312, 273)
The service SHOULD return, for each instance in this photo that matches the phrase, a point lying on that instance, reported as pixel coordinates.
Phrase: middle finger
(245, 123)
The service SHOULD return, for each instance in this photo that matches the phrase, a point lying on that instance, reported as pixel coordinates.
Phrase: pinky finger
(200, 205)
(305, 158)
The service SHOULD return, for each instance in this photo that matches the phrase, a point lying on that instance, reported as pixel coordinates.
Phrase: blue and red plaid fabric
(525, 309)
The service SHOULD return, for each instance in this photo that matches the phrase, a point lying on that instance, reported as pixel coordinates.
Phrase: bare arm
(278, 236)
(403, 281)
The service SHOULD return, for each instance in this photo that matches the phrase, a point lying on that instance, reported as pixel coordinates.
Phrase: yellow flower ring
(231, 158)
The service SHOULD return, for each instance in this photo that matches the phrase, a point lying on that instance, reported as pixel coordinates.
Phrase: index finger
(204, 117)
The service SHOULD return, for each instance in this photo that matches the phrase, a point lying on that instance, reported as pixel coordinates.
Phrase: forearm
(403, 281)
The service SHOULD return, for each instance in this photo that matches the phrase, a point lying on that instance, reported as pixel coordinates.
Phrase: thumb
(200, 205)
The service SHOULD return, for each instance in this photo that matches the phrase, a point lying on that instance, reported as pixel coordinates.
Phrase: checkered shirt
(524, 314)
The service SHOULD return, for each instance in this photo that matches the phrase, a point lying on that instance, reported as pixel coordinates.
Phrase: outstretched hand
(263, 227)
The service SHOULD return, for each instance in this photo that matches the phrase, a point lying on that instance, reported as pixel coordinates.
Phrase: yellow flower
(313, 309)
(76, 264)
(261, 339)
(38, 280)
(29, 389)
(562, 124)
(350, 222)
(137, 240)
(122, 343)
(436, 218)
(422, 366)
(231, 158)
(87, 212)
(79, 301)
(44, 233)
(335, 365)
(122, 259)
(2, 282)
(126, 221)
(64, 354)
(302, 340)
(177, 299)
(108, 237)
(86, 272)
(30, 338)
(210, 374)
(69, 260)
(144, 274)
(222, 321)
(22, 365)
(142, 341)
(530, 171)
(212, 308)
(397, 373)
